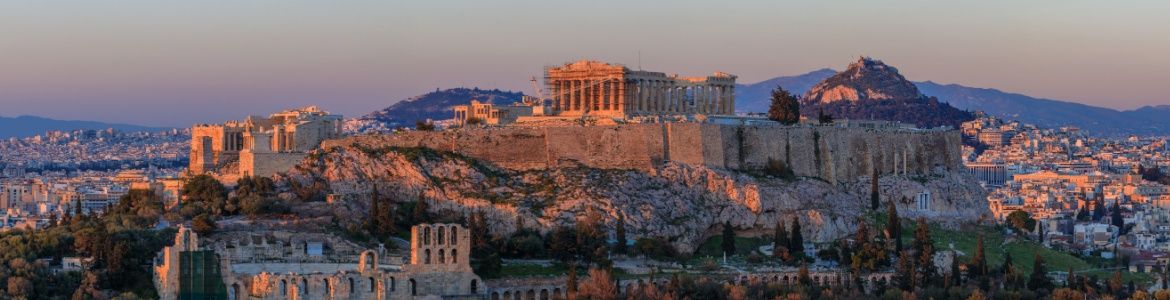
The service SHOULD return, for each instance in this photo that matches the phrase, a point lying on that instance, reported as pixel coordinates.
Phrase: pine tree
(1083, 212)
(620, 234)
(796, 240)
(785, 107)
(1072, 277)
(779, 239)
(728, 239)
(895, 226)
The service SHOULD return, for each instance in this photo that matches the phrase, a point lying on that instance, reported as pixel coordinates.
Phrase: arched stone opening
(544, 294)
(474, 286)
(413, 288)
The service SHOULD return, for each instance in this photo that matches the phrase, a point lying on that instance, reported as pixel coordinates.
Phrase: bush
(655, 248)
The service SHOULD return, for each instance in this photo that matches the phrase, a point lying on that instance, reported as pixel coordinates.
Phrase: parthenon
(601, 89)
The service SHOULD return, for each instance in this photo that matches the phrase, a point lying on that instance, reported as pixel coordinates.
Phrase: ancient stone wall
(831, 153)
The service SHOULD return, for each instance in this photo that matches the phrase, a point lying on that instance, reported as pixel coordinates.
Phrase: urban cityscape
(595, 178)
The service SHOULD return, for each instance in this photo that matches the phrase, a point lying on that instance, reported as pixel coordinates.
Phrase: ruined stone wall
(267, 164)
(831, 153)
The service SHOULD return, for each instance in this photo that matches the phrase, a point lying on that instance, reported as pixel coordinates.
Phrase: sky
(176, 63)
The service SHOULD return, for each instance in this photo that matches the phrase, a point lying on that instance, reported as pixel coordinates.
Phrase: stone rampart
(827, 152)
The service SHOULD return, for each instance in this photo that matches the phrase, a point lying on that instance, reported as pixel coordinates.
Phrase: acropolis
(597, 88)
(260, 146)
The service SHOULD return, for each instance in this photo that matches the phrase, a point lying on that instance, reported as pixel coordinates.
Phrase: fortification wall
(830, 153)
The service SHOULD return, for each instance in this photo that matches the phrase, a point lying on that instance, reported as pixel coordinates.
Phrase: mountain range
(1149, 120)
(24, 126)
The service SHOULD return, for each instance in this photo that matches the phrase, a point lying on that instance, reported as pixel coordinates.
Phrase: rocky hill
(870, 89)
(434, 106)
(1150, 120)
(681, 203)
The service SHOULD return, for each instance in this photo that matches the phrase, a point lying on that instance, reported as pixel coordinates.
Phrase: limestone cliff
(679, 202)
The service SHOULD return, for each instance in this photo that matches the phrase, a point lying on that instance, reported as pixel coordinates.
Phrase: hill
(870, 89)
(1150, 120)
(434, 106)
(24, 126)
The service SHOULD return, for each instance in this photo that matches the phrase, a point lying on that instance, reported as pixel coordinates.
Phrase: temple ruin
(609, 90)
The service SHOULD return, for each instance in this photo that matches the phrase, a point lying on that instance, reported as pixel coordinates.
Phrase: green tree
(785, 107)
(874, 198)
(203, 224)
(779, 240)
(620, 234)
(1117, 219)
(728, 239)
(1021, 221)
(204, 194)
(796, 240)
(978, 265)
(421, 125)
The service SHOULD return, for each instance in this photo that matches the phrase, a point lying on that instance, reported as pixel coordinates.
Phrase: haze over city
(178, 63)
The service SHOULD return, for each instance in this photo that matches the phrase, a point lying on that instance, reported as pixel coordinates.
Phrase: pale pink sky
(174, 63)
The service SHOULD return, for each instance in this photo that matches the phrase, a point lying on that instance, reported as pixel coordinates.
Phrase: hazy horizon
(178, 63)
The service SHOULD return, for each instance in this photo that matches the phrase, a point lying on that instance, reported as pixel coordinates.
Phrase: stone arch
(283, 287)
(556, 294)
(544, 294)
(393, 284)
(474, 286)
(442, 256)
(785, 279)
(304, 287)
(454, 256)
(454, 235)
(427, 257)
(352, 287)
(373, 284)
(495, 295)
(368, 261)
(413, 287)
(530, 295)
(507, 295)
(426, 235)
(440, 234)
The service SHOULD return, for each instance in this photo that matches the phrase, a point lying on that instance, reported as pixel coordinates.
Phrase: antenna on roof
(639, 59)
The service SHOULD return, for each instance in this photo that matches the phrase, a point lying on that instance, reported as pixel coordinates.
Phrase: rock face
(869, 89)
(679, 202)
(834, 154)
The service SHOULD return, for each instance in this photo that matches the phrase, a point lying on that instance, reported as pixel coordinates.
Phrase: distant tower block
(602, 89)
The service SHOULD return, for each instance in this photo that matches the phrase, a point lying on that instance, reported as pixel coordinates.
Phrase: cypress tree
(978, 265)
(874, 198)
(895, 226)
(1117, 219)
(924, 249)
(904, 271)
(779, 239)
(796, 240)
(620, 234)
(1039, 279)
(956, 274)
(728, 239)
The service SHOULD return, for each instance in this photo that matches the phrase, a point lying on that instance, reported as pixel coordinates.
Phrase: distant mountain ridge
(25, 126)
(430, 106)
(1149, 120)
